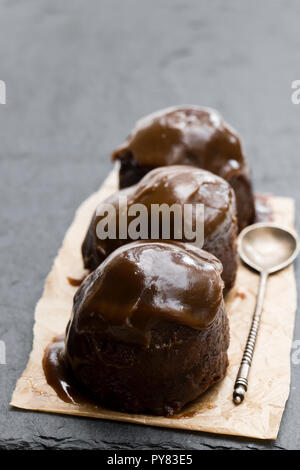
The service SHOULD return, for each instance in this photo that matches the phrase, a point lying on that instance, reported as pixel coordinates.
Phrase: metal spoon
(267, 248)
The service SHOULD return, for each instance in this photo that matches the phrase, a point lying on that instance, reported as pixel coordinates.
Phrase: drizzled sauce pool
(58, 375)
(76, 282)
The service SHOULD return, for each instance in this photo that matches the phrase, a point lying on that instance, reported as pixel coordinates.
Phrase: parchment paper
(260, 414)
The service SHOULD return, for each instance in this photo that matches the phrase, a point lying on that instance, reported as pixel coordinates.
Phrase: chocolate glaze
(177, 184)
(75, 282)
(145, 282)
(58, 373)
(148, 331)
(188, 135)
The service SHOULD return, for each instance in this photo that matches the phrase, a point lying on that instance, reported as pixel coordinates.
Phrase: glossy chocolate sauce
(148, 331)
(58, 374)
(185, 135)
(177, 184)
(75, 282)
(143, 283)
(188, 135)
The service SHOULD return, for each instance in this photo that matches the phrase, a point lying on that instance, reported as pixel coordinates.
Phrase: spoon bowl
(268, 247)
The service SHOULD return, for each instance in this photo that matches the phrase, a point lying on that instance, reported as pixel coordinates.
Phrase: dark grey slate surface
(78, 75)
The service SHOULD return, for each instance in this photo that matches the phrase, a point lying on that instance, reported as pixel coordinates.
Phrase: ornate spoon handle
(241, 382)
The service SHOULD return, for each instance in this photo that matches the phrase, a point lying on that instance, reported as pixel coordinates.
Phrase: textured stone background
(78, 75)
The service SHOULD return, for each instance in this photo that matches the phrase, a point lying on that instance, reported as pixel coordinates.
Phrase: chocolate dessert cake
(148, 332)
(176, 185)
(188, 135)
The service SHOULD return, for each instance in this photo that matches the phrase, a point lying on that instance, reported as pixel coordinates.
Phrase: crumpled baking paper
(258, 416)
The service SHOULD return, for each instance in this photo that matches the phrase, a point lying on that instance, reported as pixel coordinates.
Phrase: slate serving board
(78, 75)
